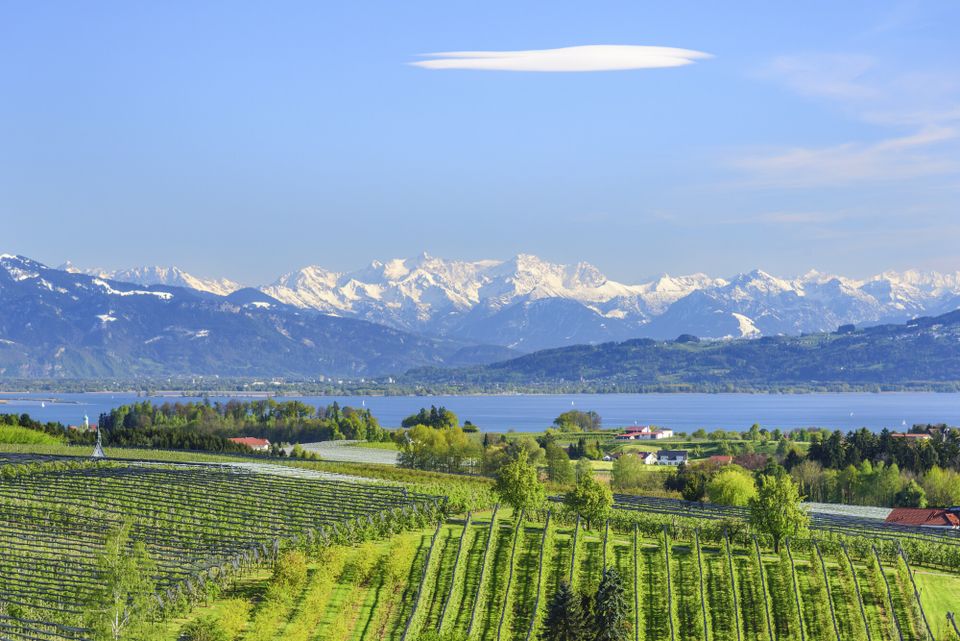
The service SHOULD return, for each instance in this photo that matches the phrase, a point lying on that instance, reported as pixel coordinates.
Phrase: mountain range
(528, 304)
(56, 323)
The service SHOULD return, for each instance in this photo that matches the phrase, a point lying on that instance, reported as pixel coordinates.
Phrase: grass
(939, 593)
(377, 612)
(16, 435)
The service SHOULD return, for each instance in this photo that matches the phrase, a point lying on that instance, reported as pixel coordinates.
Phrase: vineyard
(490, 577)
(201, 524)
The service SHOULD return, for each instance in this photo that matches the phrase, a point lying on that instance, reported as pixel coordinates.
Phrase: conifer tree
(611, 612)
(564, 620)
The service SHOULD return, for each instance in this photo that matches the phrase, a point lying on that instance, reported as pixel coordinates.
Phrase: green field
(508, 603)
(394, 574)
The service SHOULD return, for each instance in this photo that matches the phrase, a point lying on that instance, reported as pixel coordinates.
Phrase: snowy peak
(530, 302)
(154, 275)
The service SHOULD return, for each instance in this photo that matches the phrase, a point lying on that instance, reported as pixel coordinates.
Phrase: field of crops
(200, 524)
(490, 577)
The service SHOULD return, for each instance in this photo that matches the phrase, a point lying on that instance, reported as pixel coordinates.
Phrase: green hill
(924, 353)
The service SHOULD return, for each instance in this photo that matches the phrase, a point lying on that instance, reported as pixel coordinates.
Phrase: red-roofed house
(255, 444)
(720, 459)
(921, 517)
(644, 433)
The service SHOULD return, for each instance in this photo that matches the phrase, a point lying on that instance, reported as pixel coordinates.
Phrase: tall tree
(517, 484)
(590, 499)
(123, 604)
(776, 509)
(559, 468)
(611, 612)
(564, 620)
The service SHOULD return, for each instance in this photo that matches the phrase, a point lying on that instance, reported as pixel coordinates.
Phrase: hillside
(923, 354)
(60, 324)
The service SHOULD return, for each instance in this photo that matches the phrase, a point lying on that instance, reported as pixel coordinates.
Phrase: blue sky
(248, 139)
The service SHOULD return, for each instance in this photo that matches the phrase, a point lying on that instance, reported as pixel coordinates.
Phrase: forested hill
(922, 354)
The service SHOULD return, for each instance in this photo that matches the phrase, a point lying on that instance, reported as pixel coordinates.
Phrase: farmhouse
(255, 444)
(644, 433)
(650, 458)
(919, 517)
(671, 457)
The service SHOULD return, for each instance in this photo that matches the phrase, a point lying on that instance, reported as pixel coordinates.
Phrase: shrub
(234, 614)
(205, 628)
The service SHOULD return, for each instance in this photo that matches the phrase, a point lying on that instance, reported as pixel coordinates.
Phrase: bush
(205, 628)
(234, 614)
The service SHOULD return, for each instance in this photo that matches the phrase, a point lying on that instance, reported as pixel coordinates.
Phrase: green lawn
(939, 593)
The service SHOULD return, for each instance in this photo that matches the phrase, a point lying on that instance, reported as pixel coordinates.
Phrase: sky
(246, 140)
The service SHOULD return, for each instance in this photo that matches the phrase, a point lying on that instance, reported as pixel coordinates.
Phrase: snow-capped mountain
(172, 276)
(528, 303)
(525, 302)
(56, 323)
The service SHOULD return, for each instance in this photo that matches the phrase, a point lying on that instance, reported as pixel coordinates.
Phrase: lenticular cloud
(584, 58)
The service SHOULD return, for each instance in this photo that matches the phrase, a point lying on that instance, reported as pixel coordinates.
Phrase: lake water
(680, 412)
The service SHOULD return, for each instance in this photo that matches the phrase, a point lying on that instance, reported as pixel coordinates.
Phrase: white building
(671, 457)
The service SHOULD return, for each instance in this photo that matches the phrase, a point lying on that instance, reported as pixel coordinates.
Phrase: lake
(525, 413)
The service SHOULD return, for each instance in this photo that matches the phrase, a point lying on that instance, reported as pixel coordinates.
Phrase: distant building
(720, 459)
(255, 444)
(671, 457)
(948, 518)
(644, 433)
(650, 458)
(910, 437)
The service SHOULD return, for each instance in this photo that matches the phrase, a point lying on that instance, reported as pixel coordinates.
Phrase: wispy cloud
(583, 58)
(896, 158)
(839, 76)
(916, 115)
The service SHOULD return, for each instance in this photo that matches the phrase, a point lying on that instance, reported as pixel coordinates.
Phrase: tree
(444, 450)
(776, 509)
(912, 495)
(123, 602)
(731, 486)
(439, 417)
(611, 611)
(559, 468)
(942, 487)
(590, 499)
(577, 421)
(518, 486)
(628, 472)
(564, 619)
(694, 483)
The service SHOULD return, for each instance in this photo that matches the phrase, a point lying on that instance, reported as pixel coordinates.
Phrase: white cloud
(897, 158)
(583, 58)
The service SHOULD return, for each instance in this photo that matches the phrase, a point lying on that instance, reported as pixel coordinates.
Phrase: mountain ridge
(923, 353)
(61, 324)
(528, 303)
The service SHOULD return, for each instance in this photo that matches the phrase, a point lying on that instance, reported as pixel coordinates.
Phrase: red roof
(722, 459)
(250, 441)
(924, 517)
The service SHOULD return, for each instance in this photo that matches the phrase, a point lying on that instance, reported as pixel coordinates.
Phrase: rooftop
(931, 517)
